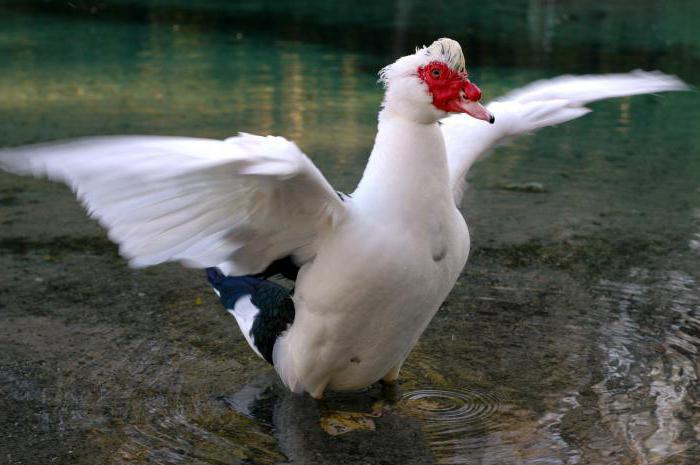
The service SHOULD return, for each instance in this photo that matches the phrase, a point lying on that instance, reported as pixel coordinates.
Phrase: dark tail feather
(274, 303)
(215, 276)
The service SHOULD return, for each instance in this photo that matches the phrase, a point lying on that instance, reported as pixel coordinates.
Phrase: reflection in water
(541, 16)
(645, 395)
(296, 423)
(694, 242)
(419, 426)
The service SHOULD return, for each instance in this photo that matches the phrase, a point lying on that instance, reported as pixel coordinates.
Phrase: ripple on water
(453, 421)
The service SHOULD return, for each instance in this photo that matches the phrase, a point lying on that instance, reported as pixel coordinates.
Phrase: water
(572, 336)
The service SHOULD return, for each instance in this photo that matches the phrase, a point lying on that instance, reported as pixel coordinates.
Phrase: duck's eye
(436, 73)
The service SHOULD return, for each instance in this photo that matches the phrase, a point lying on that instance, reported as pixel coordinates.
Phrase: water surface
(572, 336)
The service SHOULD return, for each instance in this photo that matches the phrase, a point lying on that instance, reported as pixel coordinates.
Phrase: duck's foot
(390, 389)
(319, 391)
(393, 375)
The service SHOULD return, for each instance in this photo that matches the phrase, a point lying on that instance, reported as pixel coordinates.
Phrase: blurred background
(571, 338)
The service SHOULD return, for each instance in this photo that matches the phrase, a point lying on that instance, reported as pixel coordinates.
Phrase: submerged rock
(534, 187)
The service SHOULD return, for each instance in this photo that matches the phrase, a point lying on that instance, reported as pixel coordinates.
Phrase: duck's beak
(475, 110)
(468, 102)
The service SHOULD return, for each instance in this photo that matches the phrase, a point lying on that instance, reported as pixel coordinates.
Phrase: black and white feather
(263, 309)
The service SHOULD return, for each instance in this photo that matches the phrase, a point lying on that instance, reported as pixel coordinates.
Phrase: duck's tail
(263, 310)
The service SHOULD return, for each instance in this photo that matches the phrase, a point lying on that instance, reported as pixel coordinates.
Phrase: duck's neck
(407, 170)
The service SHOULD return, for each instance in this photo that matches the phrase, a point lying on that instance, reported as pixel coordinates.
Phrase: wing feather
(238, 204)
(538, 105)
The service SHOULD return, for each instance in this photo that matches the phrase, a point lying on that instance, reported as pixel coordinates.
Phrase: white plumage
(237, 204)
(540, 104)
(245, 313)
(375, 267)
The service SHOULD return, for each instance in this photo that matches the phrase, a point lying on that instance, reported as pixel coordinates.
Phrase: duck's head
(431, 83)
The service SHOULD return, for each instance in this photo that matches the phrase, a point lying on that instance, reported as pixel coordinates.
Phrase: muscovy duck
(371, 268)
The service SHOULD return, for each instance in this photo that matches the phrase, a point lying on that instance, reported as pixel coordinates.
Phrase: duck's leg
(317, 391)
(393, 374)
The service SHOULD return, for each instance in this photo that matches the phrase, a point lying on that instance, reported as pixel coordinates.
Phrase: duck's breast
(362, 304)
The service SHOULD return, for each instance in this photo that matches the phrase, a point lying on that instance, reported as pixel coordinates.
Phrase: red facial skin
(446, 86)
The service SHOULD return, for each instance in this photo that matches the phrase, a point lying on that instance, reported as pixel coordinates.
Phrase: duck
(370, 269)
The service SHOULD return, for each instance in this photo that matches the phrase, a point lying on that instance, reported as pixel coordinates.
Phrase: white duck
(373, 267)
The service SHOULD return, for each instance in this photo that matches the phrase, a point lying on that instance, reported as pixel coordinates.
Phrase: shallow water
(572, 336)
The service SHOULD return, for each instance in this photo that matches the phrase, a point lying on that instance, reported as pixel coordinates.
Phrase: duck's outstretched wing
(238, 204)
(540, 104)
